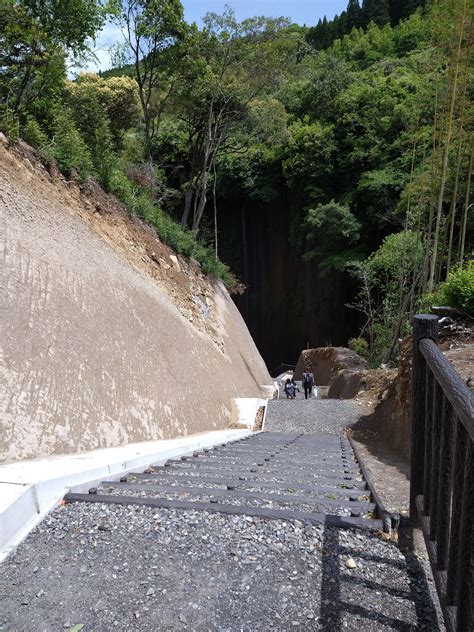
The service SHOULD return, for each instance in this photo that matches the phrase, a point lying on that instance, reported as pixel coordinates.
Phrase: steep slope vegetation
(108, 337)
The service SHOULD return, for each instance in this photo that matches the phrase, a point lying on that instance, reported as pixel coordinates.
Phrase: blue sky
(301, 11)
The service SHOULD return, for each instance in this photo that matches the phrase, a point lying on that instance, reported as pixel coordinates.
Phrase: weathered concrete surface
(107, 338)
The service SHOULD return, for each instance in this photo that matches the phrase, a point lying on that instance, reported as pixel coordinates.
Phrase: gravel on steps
(138, 568)
(312, 416)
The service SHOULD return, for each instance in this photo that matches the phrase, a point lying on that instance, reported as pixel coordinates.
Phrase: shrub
(34, 135)
(181, 240)
(457, 291)
(68, 148)
(9, 123)
(359, 346)
(103, 155)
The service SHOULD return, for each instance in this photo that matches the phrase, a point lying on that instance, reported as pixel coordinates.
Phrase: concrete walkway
(129, 567)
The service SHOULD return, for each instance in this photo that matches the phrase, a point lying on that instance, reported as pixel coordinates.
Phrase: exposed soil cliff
(288, 305)
(108, 337)
(338, 368)
(388, 392)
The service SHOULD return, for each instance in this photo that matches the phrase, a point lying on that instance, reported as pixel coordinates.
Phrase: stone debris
(175, 262)
(350, 563)
(170, 569)
(204, 571)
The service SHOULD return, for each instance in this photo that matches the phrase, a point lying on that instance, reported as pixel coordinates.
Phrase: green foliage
(359, 346)
(182, 241)
(324, 78)
(377, 12)
(36, 38)
(388, 281)
(457, 291)
(70, 23)
(397, 257)
(330, 227)
(68, 147)
(257, 173)
(34, 135)
(310, 152)
(9, 123)
(94, 99)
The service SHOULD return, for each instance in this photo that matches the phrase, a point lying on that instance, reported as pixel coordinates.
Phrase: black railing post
(424, 326)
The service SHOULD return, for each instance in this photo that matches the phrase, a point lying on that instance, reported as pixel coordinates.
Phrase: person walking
(295, 387)
(290, 389)
(308, 382)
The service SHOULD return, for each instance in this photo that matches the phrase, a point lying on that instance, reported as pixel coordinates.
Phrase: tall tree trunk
(215, 211)
(400, 319)
(434, 165)
(207, 165)
(447, 143)
(202, 200)
(459, 157)
(467, 206)
(188, 197)
(149, 155)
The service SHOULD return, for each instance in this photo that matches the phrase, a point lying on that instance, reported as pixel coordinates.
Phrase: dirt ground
(388, 393)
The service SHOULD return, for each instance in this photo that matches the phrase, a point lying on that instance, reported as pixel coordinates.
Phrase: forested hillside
(328, 167)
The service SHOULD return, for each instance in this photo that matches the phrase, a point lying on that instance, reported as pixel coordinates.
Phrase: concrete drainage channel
(312, 478)
(29, 490)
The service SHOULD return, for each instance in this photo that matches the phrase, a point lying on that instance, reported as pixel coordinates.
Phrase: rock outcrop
(108, 336)
(337, 367)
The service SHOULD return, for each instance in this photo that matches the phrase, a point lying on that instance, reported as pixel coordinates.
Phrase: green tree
(402, 9)
(150, 27)
(389, 281)
(117, 97)
(68, 147)
(354, 15)
(376, 11)
(331, 228)
(34, 39)
(237, 62)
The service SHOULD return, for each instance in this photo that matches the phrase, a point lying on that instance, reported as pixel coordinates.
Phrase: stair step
(269, 464)
(261, 472)
(236, 510)
(240, 493)
(256, 483)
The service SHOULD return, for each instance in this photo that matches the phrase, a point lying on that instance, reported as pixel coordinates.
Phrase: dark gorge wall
(288, 305)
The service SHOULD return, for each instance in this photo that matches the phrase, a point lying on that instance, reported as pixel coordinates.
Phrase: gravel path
(118, 567)
(101, 567)
(312, 416)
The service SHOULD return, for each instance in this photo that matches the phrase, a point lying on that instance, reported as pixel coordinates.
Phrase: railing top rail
(457, 392)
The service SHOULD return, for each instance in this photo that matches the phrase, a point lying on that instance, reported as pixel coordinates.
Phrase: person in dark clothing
(290, 389)
(308, 382)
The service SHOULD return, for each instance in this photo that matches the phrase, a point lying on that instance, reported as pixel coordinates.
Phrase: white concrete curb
(264, 415)
(30, 489)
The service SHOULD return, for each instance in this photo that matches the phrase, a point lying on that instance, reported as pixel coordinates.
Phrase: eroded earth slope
(108, 337)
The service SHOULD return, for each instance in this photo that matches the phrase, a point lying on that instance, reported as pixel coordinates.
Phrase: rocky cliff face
(108, 337)
(288, 305)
